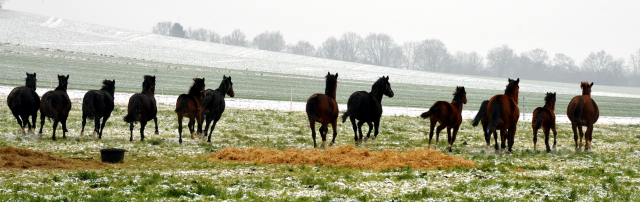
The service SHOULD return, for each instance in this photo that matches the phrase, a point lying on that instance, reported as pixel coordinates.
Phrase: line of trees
(432, 55)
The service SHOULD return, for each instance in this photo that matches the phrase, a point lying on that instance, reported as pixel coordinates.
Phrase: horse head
(586, 87)
(550, 99)
(31, 81)
(198, 87)
(109, 86)
(149, 84)
(387, 87)
(63, 81)
(513, 89)
(331, 85)
(460, 94)
(229, 90)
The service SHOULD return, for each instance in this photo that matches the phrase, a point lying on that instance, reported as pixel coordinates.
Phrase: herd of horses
(500, 113)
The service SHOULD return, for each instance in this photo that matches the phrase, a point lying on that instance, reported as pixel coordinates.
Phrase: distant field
(88, 70)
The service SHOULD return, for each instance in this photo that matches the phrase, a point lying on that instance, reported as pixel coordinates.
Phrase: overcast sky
(575, 28)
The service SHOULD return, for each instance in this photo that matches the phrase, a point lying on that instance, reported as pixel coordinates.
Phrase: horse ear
(591, 84)
(27, 73)
(34, 74)
(328, 73)
(336, 74)
(67, 76)
(518, 80)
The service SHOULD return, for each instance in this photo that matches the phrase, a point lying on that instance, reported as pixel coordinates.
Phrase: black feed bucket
(112, 155)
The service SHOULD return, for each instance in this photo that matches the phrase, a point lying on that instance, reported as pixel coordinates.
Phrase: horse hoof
(487, 148)
(192, 136)
(497, 152)
(157, 133)
(331, 144)
(94, 134)
(81, 135)
(366, 139)
(449, 149)
(357, 143)
(373, 139)
(322, 146)
(22, 131)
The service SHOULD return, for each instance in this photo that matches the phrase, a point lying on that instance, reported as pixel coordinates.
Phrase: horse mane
(30, 81)
(149, 84)
(224, 85)
(549, 98)
(331, 85)
(510, 87)
(458, 95)
(379, 84)
(197, 87)
(586, 87)
(63, 81)
(109, 86)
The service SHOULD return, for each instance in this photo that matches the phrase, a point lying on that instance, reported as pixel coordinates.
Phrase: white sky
(575, 28)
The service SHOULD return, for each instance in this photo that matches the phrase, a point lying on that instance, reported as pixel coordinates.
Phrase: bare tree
(432, 55)
(329, 49)
(501, 61)
(561, 61)
(197, 34)
(634, 63)
(468, 63)
(213, 37)
(538, 56)
(271, 41)
(351, 47)
(162, 28)
(409, 55)
(302, 48)
(604, 68)
(236, 38)
(177, 30)
(2, 2)
(378, 49)
(597, 62)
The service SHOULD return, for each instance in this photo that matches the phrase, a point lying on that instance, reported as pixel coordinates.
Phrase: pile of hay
(344, 156)
(16, 158)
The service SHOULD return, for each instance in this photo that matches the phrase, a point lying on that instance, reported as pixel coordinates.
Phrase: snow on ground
(123, 98)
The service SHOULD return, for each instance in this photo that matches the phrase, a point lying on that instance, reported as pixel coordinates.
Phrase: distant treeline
(432, 55)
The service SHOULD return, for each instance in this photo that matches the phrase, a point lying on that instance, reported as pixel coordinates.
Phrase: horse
(142, 107)
(213, 104)
(504, 113)
(449, 115)
(322, 108)
(56, 105)
(481, 117)
(24, 102)
(583, 111)
(545, 118)
(98, 104)
(189, 105)
(367, 108)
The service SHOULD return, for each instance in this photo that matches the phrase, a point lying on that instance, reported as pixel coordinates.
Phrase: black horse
(142, 107)
(189, 105)
(98, 104)
(24, 102)
(367, 108)
(56, 105)
(482, 117)
(213, 104)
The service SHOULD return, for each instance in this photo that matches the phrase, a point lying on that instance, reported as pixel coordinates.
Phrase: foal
(189, 105)
(449, 115)
(56, 105)
(583, 111)
(545, 118)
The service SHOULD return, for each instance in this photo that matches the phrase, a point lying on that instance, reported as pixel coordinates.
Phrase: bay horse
(449, 115)
(213, 104)
(367, 108)
(98, 104)
(56, 105)
(583, 111)
(322, 108)
(504, 113)
(142, 107)
(189, 105)
(545, 118)
(482, 117)
(24, 102)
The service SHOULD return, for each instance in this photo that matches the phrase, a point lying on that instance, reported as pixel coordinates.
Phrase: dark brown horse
(142, 107)
(583, 111)
(189, 105)
(482, 117)
(56, 105)
(545, 118)
(24, 102)
(367, 108)
(504, 113)
(449, 115)
(323, 108)
(98, 104)
(213, 103)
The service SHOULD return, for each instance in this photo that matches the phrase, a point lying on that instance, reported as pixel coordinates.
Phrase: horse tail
(88, 105)
(496, 110)
(481, 113)
(134, 111)
(312, 108)
(539, 118)
(577, 113)
(433, 110)
(182, 105)
(48, 109)
(352, 108)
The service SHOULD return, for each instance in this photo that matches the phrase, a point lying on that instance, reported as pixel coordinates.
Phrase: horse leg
(555, 133)
(199, 122)
(207, 124)
(312, 125)
(574, 127)
(191, 125)
(142, 125)
(64, 127)
(20, 123)
(359, 140)
(487, 137)
(503, 139)
(104, 121)
(366, 139)
(432, 125)
(323, 134)
(180, 127)
(581, 136)
(438, 129)
(212, 127)
(455, 133)
(131, 130)
(155, 120)
(512, 135)
(55, 125)
(84, 122)
(451, 137)
(334, 125)
(587, 137)
(376, 124)
(33, 120)
(535, 138)
(495, 140)
(41, 124)
(25, 122)
(546, 138)
(96, 130)
(355, 129)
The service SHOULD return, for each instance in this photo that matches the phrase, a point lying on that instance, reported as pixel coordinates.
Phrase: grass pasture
(159, 168)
